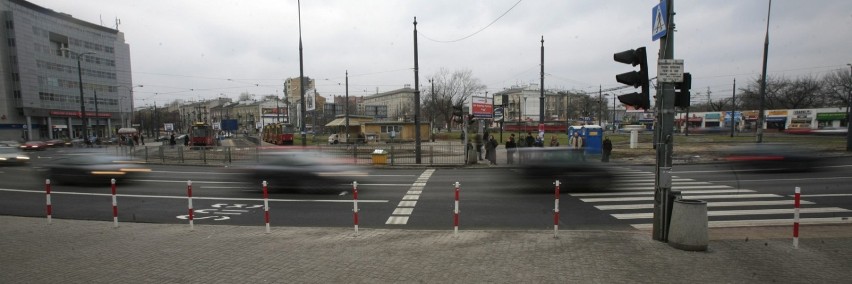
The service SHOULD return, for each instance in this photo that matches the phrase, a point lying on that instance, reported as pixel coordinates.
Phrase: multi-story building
(399, 104)
(41, 89)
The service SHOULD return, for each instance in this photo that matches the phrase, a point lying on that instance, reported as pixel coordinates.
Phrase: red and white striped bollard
(189, 205)
(796, 217)
(49, 206)
(355, 204)
(456, 211)
(556, 210)
(266, 205)
(114, 205)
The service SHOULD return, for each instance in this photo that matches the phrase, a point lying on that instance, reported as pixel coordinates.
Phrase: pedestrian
(491, 150)
(553, 141)
(185, 140)
(577, 143)
(135, 139)
(477, 141)
(530, 140)
(607, 150)
(172, 141)
(511, 148)
(143, 139)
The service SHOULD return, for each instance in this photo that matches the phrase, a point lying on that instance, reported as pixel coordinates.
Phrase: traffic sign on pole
(658, 21)
(670, 70)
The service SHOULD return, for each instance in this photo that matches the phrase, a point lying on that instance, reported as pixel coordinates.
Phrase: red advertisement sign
(481, 107)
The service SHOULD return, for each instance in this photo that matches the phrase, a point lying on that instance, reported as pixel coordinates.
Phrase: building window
(391, 128)
(11, 42)
(10, 25)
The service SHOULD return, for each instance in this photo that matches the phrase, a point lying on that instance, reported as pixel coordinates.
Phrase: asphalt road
(422, 198)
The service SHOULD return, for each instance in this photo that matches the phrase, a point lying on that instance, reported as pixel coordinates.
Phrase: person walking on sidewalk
(491, 150)
(577, 143)
(511, 148)
(607, 150)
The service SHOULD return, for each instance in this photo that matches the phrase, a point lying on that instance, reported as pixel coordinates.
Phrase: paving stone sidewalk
(73, 251)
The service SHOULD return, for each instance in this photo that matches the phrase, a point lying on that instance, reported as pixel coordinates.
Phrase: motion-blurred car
(9, 143)
(543, 166)
(34, 146)
(13, 156)
(93, 169)
(332, 139)
(831, 131)
(55, 143)
(772, 156)
(300, 171)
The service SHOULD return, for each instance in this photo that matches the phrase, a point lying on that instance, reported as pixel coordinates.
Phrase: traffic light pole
(663, 197)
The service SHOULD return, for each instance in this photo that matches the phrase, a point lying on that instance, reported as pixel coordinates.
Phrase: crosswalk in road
(631, 197)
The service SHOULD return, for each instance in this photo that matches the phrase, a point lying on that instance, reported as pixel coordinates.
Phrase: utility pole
(97, 115)
(664, 142)
(416, 100)
(849, 115)
(541, 97)
(301, 82)
(734, 109)
(761, 116)
(600, 102)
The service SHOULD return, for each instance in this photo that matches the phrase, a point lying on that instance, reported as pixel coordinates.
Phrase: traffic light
(682, 91)
(458, 114)
(636, 79)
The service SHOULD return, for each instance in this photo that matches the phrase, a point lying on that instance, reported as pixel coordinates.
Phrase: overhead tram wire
(473, 34)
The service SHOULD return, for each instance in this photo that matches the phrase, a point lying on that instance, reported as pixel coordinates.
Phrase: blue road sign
(659, 21)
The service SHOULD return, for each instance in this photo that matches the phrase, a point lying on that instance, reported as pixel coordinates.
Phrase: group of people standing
(576, 143)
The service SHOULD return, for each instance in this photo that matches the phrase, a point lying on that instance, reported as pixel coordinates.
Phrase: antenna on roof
(117, 22)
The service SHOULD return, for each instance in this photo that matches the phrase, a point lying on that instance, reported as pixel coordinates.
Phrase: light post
(82, 100)
(849, 114)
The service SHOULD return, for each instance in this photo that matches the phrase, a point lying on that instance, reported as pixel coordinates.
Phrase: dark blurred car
(13, 156)
(93, 169)
(34, 146)
(301, 171)
(543, 166)
(772, 156)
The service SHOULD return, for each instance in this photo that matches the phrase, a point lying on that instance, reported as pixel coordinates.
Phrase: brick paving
(74, 251)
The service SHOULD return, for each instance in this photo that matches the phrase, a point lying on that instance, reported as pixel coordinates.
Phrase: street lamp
(82, 100)
(849, 114)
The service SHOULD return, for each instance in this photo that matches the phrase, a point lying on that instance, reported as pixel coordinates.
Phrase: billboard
(481, 107)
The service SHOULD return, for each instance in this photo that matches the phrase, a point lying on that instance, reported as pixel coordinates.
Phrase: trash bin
(380, 157)
(688, 230)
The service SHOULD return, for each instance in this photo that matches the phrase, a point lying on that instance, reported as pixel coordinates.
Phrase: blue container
(592, 137)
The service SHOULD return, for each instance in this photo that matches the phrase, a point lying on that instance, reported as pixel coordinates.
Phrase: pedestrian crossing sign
(659, 20)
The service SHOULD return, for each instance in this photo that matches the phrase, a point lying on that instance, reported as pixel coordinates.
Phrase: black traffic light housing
(682, 91)
(458, 114)
(636, 79)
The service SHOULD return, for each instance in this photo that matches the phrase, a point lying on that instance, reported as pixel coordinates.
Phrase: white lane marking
(780, 179)
(651, 183)
(825, 195)
(193, 182)
(652, 192)
(406, 207)
(709, 204)
(383, 184)
(411, 197)
(685, 187)
(194, 197)
(403, 211)
(763, 222)
(742, 212)
(397, 220)
(650, 198)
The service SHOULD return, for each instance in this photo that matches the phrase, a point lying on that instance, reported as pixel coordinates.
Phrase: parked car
(300, 171)
(13, 156)
(333, 139)
(93, 169)
(34, 146)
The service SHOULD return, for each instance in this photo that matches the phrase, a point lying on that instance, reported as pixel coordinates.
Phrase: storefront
(802, 119)
(749, 120)
(831, 119)
(712, 120)
(776, 119)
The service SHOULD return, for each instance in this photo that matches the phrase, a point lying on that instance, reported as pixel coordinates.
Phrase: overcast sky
(190, 50)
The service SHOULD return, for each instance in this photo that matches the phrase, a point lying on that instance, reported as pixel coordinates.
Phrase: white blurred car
(13, 156)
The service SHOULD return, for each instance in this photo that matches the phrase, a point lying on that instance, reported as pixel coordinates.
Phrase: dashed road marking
(403, 211)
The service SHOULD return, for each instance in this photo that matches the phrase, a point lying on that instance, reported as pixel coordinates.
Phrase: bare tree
(452, 89)
(246, 96)
(783, 93)
(837, 88)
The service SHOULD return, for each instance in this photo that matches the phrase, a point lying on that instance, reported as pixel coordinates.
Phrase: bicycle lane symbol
(220, 211)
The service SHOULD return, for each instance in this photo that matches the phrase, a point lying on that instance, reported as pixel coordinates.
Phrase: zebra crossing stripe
(651, 198)
(649, 180)
(709, 204)
(674, 187)
(742, 212)
(763, 222)
(652, 192)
